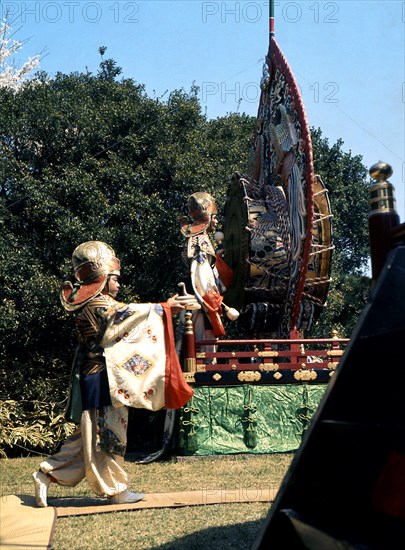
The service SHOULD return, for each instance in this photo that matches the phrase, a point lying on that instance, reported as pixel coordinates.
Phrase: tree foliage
(86, 157)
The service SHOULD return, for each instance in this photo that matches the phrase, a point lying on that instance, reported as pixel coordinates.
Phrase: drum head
(257, 247)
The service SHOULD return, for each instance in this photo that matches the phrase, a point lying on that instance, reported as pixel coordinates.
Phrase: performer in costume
(125, 357)
(209, 274)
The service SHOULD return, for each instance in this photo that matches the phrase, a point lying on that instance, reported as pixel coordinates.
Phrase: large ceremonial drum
(258, 248)
(277, 219)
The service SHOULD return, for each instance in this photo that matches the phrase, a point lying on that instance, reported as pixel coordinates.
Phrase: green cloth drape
(216, 420)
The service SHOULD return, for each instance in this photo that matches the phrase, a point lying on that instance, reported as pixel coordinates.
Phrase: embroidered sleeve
(126, 322)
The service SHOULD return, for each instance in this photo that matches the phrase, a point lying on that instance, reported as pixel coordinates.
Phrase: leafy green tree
(109, 69)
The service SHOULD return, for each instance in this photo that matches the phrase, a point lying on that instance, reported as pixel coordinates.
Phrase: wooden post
(294, 335)
(383, 217)
(190, 363)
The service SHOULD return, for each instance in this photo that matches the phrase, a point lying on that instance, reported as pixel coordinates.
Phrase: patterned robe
(125, 357)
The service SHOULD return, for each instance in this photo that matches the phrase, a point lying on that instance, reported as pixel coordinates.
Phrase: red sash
(177, 391)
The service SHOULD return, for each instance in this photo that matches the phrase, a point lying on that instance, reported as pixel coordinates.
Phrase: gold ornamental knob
(382, 192)
(380, 171)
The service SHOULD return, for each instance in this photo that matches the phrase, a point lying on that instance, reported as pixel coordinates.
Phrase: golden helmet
(93, 262)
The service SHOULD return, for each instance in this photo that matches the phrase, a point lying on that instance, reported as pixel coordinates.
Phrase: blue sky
(348, 56)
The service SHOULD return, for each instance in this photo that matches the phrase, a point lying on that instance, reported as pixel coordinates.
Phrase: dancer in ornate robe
(125, 357)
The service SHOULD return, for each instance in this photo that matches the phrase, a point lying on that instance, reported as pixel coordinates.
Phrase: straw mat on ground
(24, 526)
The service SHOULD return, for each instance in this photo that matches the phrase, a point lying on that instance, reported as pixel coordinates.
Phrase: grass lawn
(208, 527)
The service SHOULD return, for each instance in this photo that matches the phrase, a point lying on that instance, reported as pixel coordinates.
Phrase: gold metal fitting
(305, 375)
(267, 353)
(190, 364)
(380, 171)
(382, 192)
(268, 367)
(249, 376)
(335, 353)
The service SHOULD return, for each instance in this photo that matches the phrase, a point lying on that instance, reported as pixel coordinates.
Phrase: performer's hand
(175, 304)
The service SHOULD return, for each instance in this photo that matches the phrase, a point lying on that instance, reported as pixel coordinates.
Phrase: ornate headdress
(201, 206)
(93, 262)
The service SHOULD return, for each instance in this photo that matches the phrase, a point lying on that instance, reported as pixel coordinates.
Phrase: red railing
(293, 360)
(286, 354)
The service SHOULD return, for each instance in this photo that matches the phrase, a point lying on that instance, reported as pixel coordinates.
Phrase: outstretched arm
(175, 304)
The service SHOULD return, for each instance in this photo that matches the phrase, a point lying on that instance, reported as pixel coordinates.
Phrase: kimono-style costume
(125, 357)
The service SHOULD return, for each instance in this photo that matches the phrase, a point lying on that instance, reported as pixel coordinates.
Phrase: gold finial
(380, 171)
(382, 192)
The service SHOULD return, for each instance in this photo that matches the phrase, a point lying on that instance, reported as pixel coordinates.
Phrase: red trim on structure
(280, 61)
